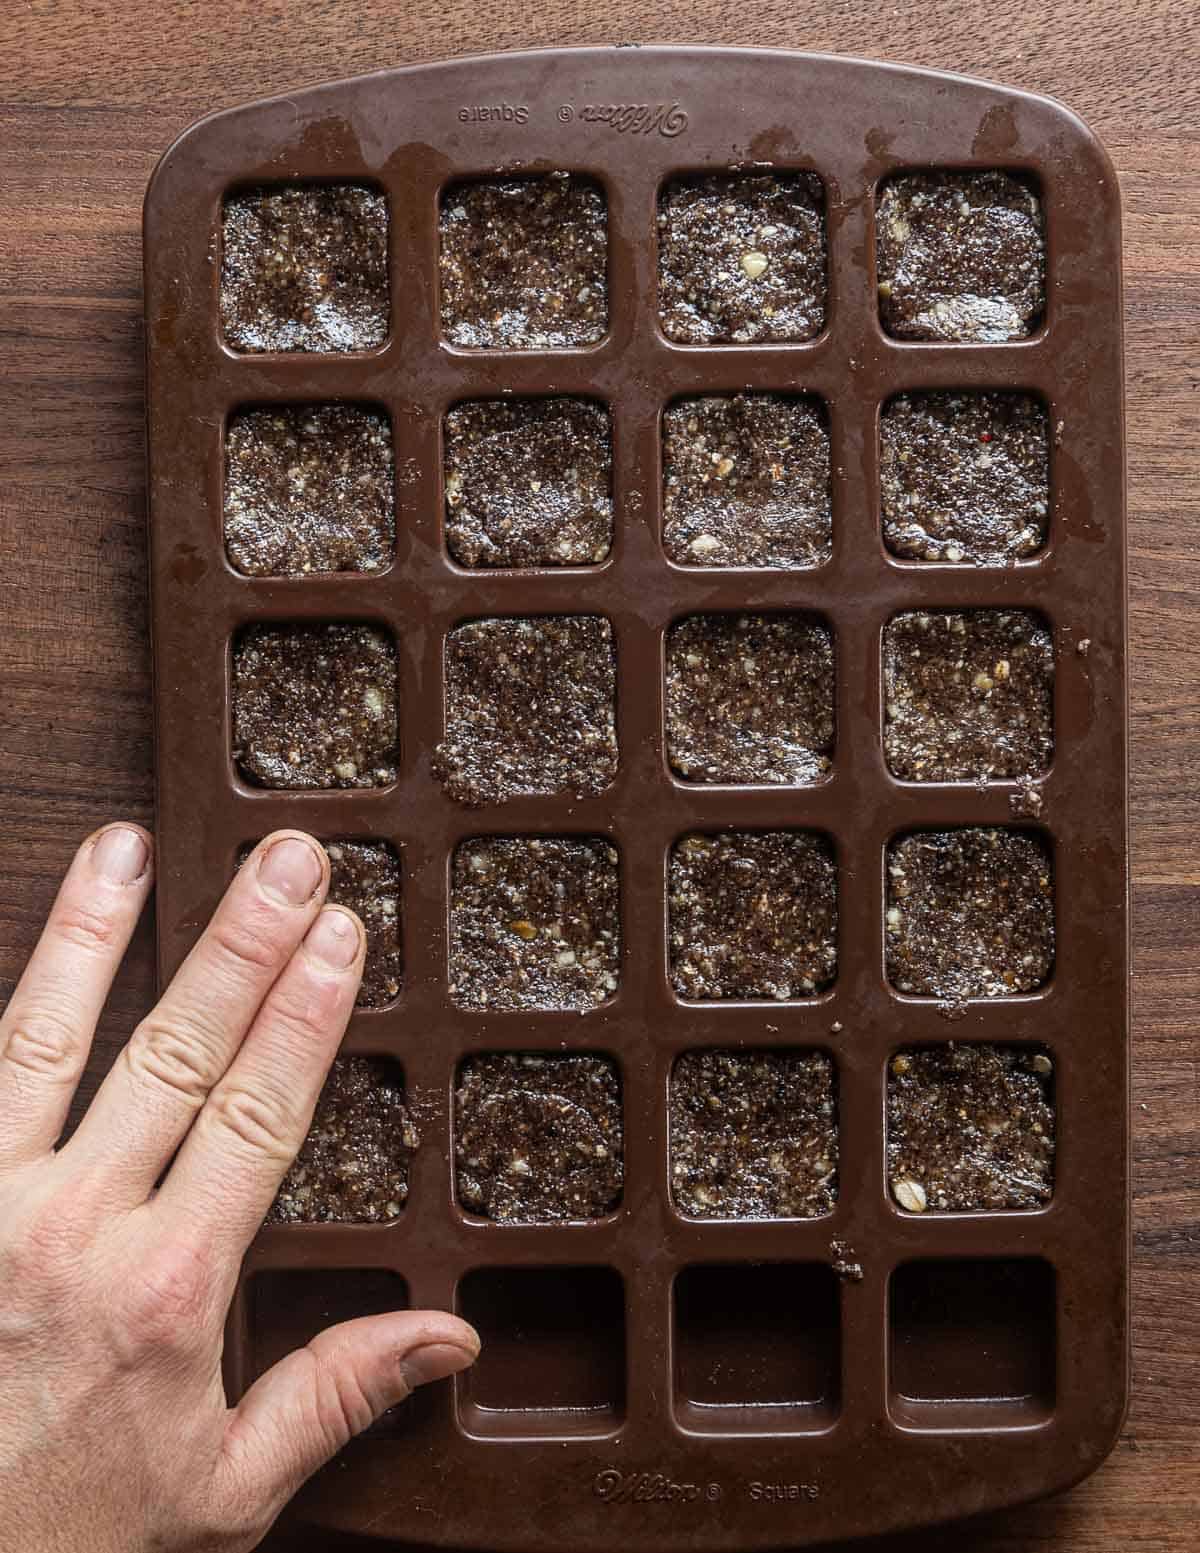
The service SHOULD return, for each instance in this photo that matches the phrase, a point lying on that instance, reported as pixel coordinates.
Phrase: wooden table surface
(91, 94)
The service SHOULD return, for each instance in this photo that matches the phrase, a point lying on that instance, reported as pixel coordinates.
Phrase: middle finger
(182, 1048)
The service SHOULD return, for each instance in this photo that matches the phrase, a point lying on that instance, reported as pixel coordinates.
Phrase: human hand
(115, 1436)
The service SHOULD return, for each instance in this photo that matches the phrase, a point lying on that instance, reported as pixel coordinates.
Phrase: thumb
(309, 1405)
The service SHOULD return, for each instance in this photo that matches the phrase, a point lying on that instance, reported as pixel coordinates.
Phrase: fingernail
(334, 938)
(290, 872)
(434, 1362)
(121, 855)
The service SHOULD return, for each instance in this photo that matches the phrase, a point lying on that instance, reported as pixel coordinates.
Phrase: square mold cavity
(538, 1137)
(757, 1348)
(968, 695)
(534, 923)
(970, 913)
(353, 1166)
(746, 481)
(524, 262)
(528, 482)
(972, 1343)
(553, 1358)
(314, 706)
(960, 256)
(309, 488)
(304, 267)
(753, 1134)
(287, 1309)
(530, 708)
(970, 1127)
(742, 257)
(752, 915)
(964, 476)
(750, 699)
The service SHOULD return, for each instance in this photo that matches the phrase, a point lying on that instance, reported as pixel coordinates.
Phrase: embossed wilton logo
(637, 118)
(616, 1487)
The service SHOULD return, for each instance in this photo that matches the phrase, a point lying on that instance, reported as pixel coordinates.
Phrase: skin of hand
(115, 1277)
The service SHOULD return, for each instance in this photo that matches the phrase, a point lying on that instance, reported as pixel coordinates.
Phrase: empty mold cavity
(757, 1348)
(314, 706)
(538, 1138)
(752, 914)
(753, 1134)
(534, 923)
(528, 482)
(750, 698)
(524, 262)
(746, 481)
(741, 257)
(286, 1310)
(972, 1343)
(964, 477)
(353, 1166)
(960, 256)
(365, 876)
(304, 268)
(553, 1357)
(309, 488)
(968, 694)
(970, 1127)
(970, 913)
(530, 708)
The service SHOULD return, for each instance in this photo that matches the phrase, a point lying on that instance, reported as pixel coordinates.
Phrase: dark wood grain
(91, 94)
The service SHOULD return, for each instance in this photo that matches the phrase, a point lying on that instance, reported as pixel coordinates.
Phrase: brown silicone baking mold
(650, 1381)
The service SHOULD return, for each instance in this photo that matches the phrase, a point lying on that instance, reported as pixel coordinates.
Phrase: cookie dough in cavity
(309, 488)
(534, 923)
(753, 914)
(741, 257)
(353, 1167)
(524, 262)
(964, 477)
(968, 694)
(970, 1127)
(970, 913)
(304, 268)
(746, 481)
(538, 1139)
(960, 256)
(750, 698)
(528, 482)
(315, 706)
(753, 1135)
(530, 708)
